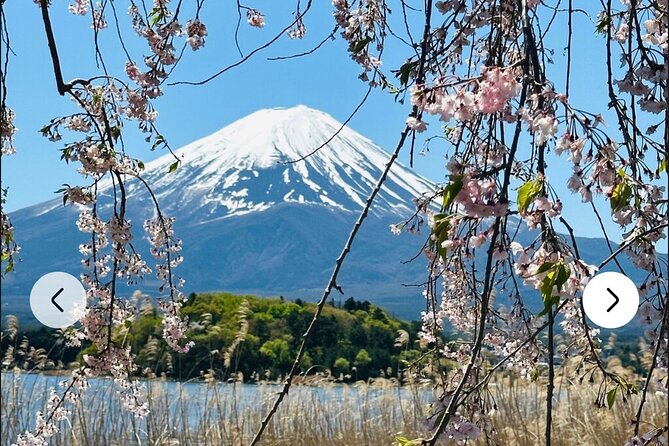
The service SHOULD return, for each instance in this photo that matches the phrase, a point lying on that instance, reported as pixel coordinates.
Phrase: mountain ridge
(251, 223)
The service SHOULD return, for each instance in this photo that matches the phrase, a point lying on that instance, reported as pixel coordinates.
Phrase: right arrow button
(598, 295)
(615, 297)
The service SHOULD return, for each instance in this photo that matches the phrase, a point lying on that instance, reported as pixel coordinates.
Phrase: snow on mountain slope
(245, 168)
(249, 221)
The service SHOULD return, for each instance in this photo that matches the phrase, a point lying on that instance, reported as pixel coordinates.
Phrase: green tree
(278, 352)
(362, 363)
(341, 365)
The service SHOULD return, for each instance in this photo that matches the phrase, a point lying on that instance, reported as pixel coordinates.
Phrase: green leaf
(548, 304)
(404, 73)
(97, 97)
(611, 397)
(140, 164)
(603, 24)
(443, 252)
(116, 132)
(620, 197)
(547, 285)
(440, 219)
(404, 441)
(562, 275)
(155, 15)
(632, 388)
(174, 166)
(451, 191)
(545, 267)
(361, 45)
(442, 223)
(158, 141)
(527, 193)
(663, 166)
(535, 375)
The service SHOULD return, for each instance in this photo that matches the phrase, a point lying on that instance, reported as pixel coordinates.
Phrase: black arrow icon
(53, 300)
(616, 298)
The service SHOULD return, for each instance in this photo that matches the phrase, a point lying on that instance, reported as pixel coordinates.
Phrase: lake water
(184, 410)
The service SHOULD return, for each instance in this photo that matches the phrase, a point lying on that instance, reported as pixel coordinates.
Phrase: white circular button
(610, 300)
(58, 300)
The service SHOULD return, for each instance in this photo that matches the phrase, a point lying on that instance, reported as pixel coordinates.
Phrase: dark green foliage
(356, 340)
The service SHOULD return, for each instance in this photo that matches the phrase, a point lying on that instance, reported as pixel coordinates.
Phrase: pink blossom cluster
(196, 32)
(9, 247)
(255, 18)
(79, 7)
(431, 325)
(98, 18)
(363, 28)
(479, 198)
(489, 95)
(645, 75)
(542, 207)
(544, 127)
(119, 362)
(160, 30)
(166, 249)
(299, 30)
(56, 412)
(645, 82)
(160, 36)
(457, 304)
(496, 89)
(459, 429)
(7, 131)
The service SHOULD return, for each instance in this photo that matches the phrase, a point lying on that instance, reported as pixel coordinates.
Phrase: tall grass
(221, 413)
(521, 417)
(211, 413)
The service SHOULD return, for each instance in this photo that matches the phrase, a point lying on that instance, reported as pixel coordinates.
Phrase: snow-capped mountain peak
(246, 167)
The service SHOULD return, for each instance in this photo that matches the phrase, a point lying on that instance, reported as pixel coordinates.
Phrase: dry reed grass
(208, 414)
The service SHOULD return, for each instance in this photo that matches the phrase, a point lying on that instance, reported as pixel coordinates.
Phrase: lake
(194, 412)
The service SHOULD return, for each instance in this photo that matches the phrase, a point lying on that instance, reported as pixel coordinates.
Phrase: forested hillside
(247, 337)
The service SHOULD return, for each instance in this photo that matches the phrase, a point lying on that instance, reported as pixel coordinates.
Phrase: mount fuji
(251, 219)
(255, 220)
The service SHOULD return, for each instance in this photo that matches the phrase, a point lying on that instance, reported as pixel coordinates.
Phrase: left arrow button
(58, 300)
(53, 300)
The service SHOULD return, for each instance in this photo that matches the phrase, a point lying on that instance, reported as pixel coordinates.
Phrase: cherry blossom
(255, 18)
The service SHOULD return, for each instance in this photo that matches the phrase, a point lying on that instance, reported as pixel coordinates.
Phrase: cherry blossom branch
(53, 50)
(478, 342)
(510, 355)
(311, 51)
(631, 241)
(251, 54)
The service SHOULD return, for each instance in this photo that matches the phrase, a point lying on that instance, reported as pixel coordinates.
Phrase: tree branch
(53, 50)
(332, 284)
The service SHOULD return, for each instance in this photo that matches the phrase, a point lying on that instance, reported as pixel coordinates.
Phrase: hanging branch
(332, 284)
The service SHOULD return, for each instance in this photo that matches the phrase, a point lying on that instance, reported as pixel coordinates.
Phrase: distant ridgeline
(259, 338)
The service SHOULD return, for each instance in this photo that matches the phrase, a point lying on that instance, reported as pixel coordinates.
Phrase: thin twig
(332, 284)
(248, 56)
(311, 51)
(338, 131)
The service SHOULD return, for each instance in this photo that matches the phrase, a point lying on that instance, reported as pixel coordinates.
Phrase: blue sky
(326, 80)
